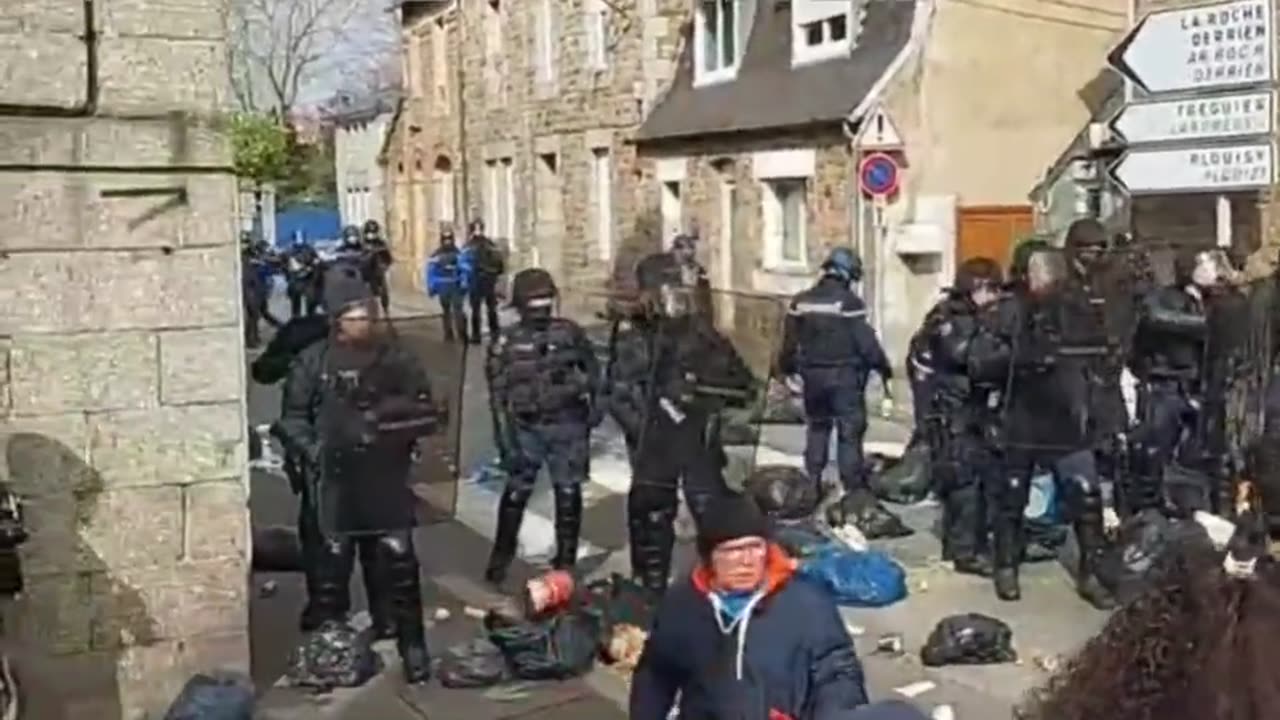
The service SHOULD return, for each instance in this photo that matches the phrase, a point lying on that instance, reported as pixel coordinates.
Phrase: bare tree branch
(287, 53)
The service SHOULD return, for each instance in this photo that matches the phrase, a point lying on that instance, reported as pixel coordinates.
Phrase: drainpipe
(87, 108)
(463, 165)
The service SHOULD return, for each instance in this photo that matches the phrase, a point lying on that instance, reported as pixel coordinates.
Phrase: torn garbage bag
(782, 492)
(969, 639)
(214, 697)
(476, 664)
(332, 656)
(1140, 542)
(863, 511)
(902, 480)
(856, 578)
(557, 648)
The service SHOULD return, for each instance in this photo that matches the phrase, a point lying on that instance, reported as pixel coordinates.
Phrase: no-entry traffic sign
(879, 175)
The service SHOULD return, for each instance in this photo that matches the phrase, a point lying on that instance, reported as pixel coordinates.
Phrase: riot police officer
(671, 374)
(1104, 278)
(256, 269)
(544, 382)
(301, 268)
(379, 260)
(830, 345)
(487, 267)
(448, 278)
(1169, 362)
(355, 405)
(1038, 343)
(962, 462)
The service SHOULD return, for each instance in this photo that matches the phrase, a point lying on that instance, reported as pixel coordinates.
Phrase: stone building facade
(545, 97)
(360, 130)
(122, 410)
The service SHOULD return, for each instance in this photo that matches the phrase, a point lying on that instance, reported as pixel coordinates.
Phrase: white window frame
(545, 58)
(444, 195)
(595, 16)
(724, 71)
(772, 216)
(440, 64)
(602, 200)
(672, 209)
(802, 53)
(509, 189)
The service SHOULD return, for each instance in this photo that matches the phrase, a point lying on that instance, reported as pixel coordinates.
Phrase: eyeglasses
(745, 551)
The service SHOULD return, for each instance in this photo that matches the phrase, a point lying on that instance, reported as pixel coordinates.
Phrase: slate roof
(768, 93)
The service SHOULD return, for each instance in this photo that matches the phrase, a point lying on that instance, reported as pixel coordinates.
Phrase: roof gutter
(915, 43)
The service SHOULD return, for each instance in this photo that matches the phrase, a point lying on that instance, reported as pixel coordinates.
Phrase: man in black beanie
(706, 656)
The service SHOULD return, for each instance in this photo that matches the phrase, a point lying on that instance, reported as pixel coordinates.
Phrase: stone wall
(359, 177)
(122, 414)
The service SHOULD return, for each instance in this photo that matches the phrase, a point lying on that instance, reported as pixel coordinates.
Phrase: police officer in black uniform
(1040, 342)
(255, 259)
(1104, 278)
(355, 404)
(1169, 361)
(963, 463)
(379, 260)
(832, 348)
(487, 267)
(302, 264)
(671, 374)
(544, 382)
(448, 279)
(271, 367)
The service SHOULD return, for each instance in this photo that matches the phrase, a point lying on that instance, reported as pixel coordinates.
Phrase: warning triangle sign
(879, 132)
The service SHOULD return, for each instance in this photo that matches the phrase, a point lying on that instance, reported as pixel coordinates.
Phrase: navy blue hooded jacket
(788, 658)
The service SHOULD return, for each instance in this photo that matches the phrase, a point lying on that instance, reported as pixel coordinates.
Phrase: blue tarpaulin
(313, 224)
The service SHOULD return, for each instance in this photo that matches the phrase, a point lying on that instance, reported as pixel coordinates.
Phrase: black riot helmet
(977, 274)
(684, 248)
(372, 229)
(662, 287)
(351, 236)
(1047, 269)
(446, 233)
(533, 294)
(844, 264)
(1085, 242)
(1021, 255)
(246, 240)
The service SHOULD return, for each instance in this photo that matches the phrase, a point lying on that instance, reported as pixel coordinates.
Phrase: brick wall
(121, 366)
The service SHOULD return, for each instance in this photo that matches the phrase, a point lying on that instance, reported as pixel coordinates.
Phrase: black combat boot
(1091, 539)
(375, 589)
(401, 570)
(331, 596)
(653, 538)
(1007, 553)
(965, 531)
(568, 526)
(506, 539)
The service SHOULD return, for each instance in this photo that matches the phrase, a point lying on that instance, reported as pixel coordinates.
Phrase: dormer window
(820, 30)
(717, 43)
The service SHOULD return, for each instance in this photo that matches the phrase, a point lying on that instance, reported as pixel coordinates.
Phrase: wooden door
(992, 231)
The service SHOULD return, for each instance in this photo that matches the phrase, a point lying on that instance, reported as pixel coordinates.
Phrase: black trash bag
(1186, 490)
(218, 696)
(332, 656)
(801, 540)
(781, 406)
(476, 664)
(558, 648)
(968, 639)
(1141, 541)
(871, 518)
(782, 492)
(620, 600)
(276, 548)
(1044, 540)
(902, 480)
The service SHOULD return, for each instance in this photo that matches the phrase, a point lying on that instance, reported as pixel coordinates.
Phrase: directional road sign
(1203, 118)
(1201, 48)
(1242, 166)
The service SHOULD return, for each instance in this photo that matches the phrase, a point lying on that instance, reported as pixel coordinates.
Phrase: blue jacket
(788, 657)
(448, 271)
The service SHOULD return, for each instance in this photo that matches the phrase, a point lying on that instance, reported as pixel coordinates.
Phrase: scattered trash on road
(914, 689)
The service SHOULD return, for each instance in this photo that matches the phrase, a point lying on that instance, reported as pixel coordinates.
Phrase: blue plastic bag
(854, 578)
